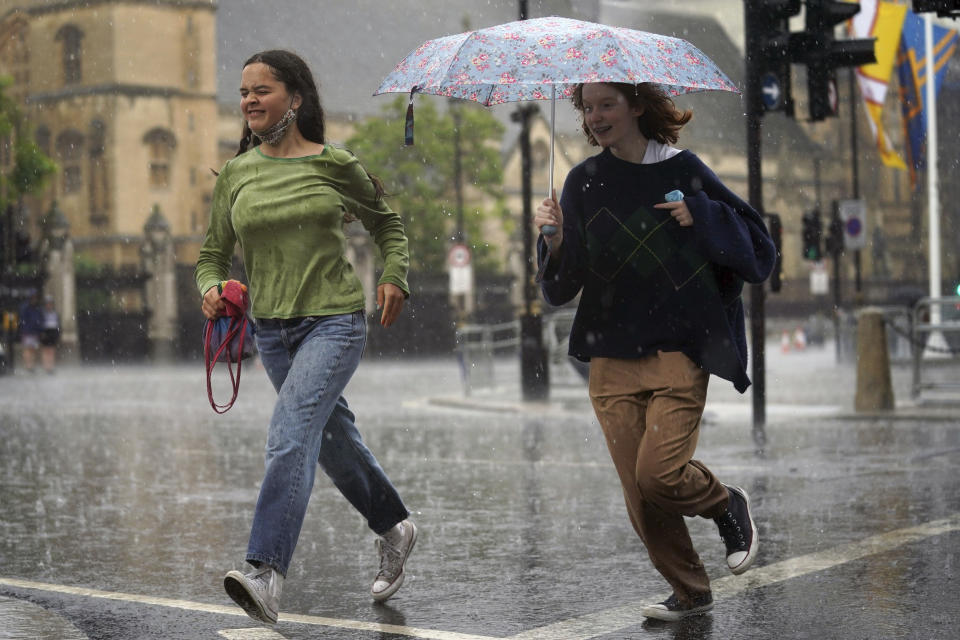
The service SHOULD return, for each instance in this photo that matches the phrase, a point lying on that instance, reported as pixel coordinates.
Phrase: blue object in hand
(548, 229)
(674, 196)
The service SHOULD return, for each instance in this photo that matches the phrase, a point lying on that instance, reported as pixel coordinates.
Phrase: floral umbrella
(535, 59)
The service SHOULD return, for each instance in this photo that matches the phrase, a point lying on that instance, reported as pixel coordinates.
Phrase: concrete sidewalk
(805, 384)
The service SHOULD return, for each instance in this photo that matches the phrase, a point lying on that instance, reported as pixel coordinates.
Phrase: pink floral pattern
(522, 60)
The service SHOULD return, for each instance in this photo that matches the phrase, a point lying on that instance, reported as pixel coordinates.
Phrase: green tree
(24, 168)
(31, 168)
(420, 180)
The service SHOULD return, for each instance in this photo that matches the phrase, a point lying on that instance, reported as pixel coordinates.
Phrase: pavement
(87, 439)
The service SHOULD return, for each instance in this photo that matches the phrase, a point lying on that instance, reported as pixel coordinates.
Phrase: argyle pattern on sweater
(644, 245)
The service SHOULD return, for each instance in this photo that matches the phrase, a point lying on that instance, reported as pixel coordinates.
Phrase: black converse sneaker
(738, 531)
(671, 609)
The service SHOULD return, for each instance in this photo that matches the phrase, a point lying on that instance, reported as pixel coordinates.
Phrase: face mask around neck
(273, 135)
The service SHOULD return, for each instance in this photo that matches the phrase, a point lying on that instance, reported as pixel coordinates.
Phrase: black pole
(529, 290)
(755, 187)
(534, 377)
(854, 168)
(457, 171)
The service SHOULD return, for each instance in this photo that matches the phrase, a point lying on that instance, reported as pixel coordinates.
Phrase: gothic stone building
(122, 95)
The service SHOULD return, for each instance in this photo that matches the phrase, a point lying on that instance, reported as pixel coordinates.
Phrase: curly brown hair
(660, 120)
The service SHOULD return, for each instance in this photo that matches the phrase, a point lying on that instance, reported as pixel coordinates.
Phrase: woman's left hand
(390, 299)
(679, 212)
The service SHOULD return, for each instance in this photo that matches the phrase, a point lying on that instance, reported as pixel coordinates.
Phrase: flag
(883, 21)
(912, 72)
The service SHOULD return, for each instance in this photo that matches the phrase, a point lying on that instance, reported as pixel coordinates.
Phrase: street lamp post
(534, 376)
(161, 287)
(61, 278)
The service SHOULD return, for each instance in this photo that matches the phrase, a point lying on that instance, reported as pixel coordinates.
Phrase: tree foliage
(420, 179)
(31, 168)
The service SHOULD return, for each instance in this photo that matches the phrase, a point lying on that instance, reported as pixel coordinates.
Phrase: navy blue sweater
(647, 283)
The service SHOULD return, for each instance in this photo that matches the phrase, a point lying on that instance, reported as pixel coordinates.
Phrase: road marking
(427, 634)
(250, 633)
(619, 618)
(580, 628)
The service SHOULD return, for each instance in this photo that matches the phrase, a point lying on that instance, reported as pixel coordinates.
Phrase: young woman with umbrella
(284, 198)
(658, 249)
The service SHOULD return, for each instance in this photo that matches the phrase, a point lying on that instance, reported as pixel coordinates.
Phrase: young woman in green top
(284, 198)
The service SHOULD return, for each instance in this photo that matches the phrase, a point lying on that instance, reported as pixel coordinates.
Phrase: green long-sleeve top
(288, 214)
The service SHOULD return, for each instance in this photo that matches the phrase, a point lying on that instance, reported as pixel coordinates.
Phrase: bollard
(874, 386)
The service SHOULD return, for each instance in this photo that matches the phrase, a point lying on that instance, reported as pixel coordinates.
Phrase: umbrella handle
(549, 229)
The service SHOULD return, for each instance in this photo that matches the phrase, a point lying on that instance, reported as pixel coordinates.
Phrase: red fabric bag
(229, 339)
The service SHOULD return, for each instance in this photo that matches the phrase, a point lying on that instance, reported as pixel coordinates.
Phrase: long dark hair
(290, 69)
(660, 120)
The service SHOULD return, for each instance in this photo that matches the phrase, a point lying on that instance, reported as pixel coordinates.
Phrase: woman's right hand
(213, 307)
(549, 213)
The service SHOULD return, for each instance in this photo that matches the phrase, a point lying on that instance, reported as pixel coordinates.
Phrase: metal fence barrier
(934, 340)
(478, 345)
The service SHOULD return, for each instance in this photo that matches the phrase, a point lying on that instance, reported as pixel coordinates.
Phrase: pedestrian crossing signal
(811, 234)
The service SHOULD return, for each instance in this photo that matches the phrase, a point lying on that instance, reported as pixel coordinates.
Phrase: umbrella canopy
(538, 58)
(535, 59)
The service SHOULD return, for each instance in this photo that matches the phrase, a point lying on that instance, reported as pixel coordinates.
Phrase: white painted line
(337, 623)
(618, 618)
(579, 628)
(251, 633)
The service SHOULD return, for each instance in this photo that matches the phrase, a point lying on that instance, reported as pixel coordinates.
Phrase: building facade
(122, 95)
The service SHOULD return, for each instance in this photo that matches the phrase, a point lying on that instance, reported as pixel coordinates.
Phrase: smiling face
(263, 98)
(609, 117)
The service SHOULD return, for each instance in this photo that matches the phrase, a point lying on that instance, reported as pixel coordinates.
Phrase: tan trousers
(649, 409)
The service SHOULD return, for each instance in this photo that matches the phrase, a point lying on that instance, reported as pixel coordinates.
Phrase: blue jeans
(310, 361)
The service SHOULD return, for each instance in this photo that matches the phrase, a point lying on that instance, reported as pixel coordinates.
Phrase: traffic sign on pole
(771, 94)
(853, 215)
(461, 272)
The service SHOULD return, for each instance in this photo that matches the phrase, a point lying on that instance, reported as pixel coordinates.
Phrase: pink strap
(236, 325)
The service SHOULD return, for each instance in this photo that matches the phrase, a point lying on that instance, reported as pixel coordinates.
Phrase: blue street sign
(770, 94)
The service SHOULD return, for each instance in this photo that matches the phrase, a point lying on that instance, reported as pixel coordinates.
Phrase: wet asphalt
(125, 499)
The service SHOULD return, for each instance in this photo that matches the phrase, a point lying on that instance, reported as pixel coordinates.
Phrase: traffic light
(767, 34)
(776, 234)
(812, 233)
(943, 8)
(817, 49)
(834, 240)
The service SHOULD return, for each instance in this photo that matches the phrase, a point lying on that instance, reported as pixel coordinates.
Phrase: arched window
(160, 143)
(15, 57)
(69, 157)
(72, 39)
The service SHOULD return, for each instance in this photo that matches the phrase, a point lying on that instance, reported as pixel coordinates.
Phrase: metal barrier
(899, 321)
(926, 348)
(479, 344)
(564, 370)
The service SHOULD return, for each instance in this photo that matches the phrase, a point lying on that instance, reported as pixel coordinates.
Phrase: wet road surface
(126, 499)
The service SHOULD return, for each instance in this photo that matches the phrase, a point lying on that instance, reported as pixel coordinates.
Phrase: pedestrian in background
(30, 325)
(285, 198)
(49, 334)
(658, 249)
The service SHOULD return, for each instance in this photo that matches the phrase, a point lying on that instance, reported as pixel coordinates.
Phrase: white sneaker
(257, 593)
(392, 557)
